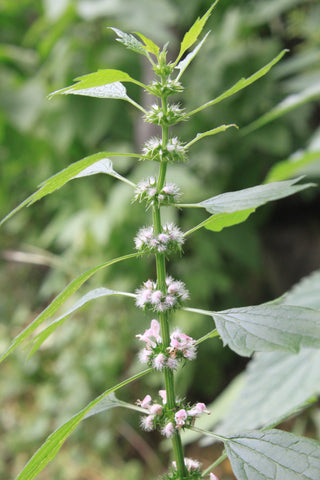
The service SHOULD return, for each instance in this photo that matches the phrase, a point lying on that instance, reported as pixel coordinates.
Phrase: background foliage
(44, 45)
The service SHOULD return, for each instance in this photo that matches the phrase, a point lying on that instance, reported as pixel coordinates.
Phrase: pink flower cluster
(147, 190)
(149, 296)
(170, 240)
(174, 151)
(181, 346)
(159, 416)
(191, 465)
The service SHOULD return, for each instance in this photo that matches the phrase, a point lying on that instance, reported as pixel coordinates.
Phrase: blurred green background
(44, 45)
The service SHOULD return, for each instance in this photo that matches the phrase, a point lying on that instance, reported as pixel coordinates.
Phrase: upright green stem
(164, 316)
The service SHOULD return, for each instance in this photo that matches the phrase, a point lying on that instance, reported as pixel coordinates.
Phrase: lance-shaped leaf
(183, 64)
(241, 84)
(54, 442)
(214, 131)
(98, 163)
(273, 455)
(290, 103)
(232, 208)
(277, 385)
(88, 297)
(149, 45)
(129, 41)
(305, 293)
(60, 300)
(101, 78)
(292, 166)
(192, 35)
(268, 327)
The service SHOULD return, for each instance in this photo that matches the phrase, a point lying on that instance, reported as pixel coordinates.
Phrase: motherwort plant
(255, 454)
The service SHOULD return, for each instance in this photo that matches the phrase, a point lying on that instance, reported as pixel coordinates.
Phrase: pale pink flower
(144, 355)
(159, 361)
(172, 363)
(145, 403)
(156, 409)
(198, 410)
(180, 417)
(163, 396)
(156, 297)
(168, 430)
(191, 464)
(212, 476)
(147, 423)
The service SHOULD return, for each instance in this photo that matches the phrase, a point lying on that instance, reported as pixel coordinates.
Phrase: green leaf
(183, 64)
(241, 84)
(252, 197)
(192, 35)
(101, 78)
(216, 223)
(305, 293)
(214, 131)
(292, 166)
(288, 104)
(54, 442)
(277, 385)
(92, 295)
(129, 41)
(268, 327)
(273, 455)
(150, 46)
(98, 163)
(60, 300)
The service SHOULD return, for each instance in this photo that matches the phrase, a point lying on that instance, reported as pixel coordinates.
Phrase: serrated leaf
(252, 197)
(290, 103)
(292, 166)
(241, 84)
(305, 293)
(54, 442)
(214, 131)
(273, 455)
(193, 33)
(129, 41)
(101, 78)
(150, 46)
(92, 295)
(183, 64)
(60, 300)
(277, 385)
(218, 222)
(102, 165)
(268, 327)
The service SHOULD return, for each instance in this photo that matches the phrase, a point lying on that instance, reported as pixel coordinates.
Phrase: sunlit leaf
(273, 455)
(290, 103)
(218, 222)
(183, 64)
(150, 46)
(192, 35)
(292, 166)
(60, 300)
(129, 41)
(98, 163)
(92, 295)
(54, 442)
(241, 84)
(268, 327)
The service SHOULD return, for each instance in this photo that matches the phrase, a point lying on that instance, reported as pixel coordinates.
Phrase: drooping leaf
(252, 197)
(60, 300)
(305, 293)
(268, 327)
(98, 163)
(150, 46)
(290, 103)
(292, 166)
(183, 64)
(192, 35)
(276, 386)
(220, 221)
(54, 442)
(214, 131)
(92, 295)
(241, 84)
(273, 455)
(129, 41)
(101, 78)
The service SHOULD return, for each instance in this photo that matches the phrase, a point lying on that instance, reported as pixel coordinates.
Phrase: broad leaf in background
(277, 385)
(241, 84)
(273, 455)
(97, 79)
(288, 104)
(192, 35)
(268, 327)
(92, 295)
(292, 166)
(54, 442)
(305, 293)
(60, 300)
(97, 163)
